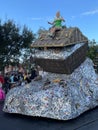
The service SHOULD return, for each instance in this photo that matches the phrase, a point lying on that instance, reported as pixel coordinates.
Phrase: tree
(12, 41)
(92, 51)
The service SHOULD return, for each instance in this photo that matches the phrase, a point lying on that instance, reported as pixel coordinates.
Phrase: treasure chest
(63, 66)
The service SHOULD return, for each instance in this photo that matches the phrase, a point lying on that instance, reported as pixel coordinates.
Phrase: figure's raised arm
(62, 19)
(51, 23)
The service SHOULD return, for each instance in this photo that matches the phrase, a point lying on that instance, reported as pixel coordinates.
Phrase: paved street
(88, 120)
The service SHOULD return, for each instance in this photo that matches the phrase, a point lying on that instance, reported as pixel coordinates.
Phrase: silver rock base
(75, 94)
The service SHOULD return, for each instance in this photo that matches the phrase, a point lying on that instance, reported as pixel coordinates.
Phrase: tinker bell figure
(57, 24)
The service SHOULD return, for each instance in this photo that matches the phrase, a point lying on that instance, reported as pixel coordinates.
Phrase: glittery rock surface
(64, 98)
(51, 54)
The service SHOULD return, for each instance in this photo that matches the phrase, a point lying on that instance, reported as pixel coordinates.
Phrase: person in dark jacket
(33, 73)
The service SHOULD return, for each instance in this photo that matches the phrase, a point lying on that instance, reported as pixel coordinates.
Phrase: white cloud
(90, 12)
(39, 18)
(73, 17)
(42, 18)
(93, 12)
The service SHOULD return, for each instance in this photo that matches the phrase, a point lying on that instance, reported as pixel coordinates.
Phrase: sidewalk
(86, 121)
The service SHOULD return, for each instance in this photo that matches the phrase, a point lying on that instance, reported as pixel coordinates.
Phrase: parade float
(69, 84)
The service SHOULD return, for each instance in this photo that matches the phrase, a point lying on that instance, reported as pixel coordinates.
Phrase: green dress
(58, 23)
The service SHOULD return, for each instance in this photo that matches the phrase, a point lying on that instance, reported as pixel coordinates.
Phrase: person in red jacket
(2, 93)
(1, 78)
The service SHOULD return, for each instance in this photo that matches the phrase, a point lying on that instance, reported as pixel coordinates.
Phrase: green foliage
(12, 41)
(92, 51)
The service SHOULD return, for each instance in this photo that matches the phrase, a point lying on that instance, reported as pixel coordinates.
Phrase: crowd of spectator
(15, 78)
